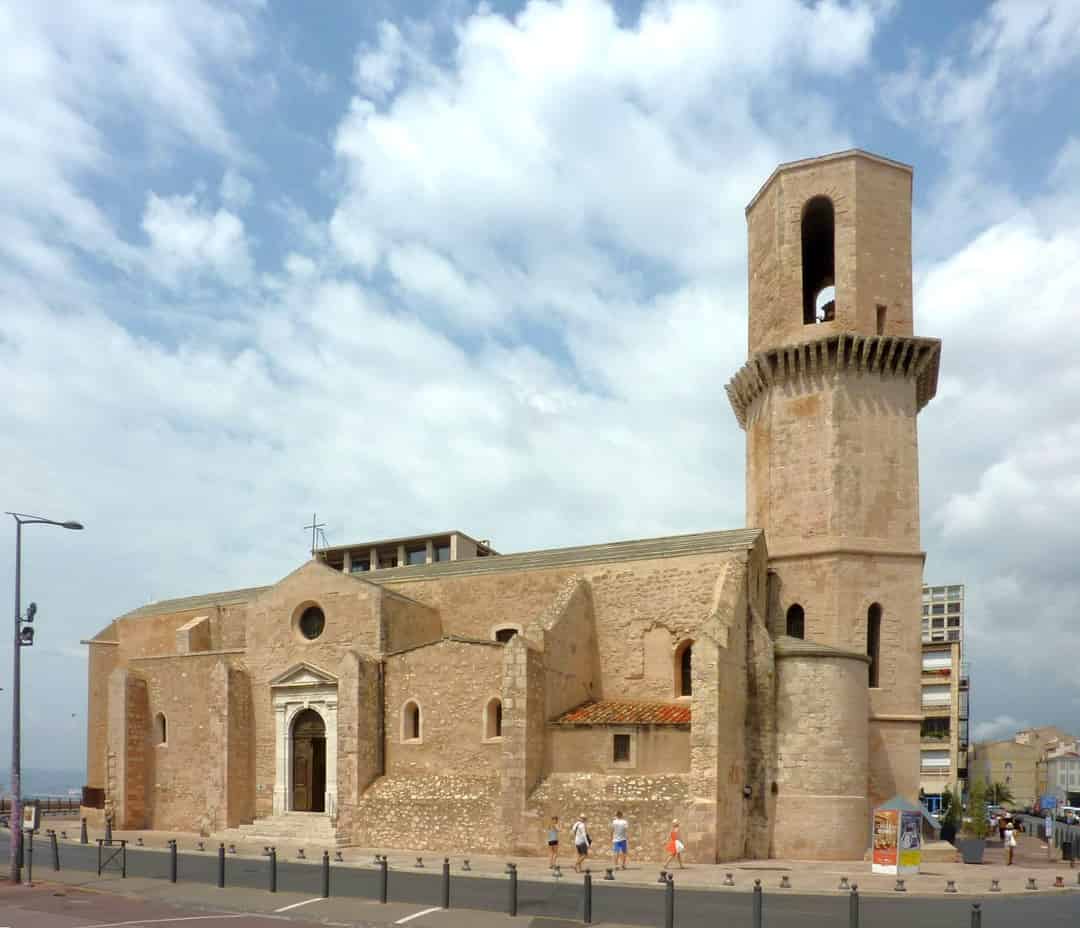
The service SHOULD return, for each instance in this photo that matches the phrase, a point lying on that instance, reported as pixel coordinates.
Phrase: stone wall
(452, 813)
(199, 779)
(129, 722)
(567, 634)
(650, 804)
(102, 660)
(452, 681)
(361, 755)
(822, 753)
(407, 623)
(655, 749)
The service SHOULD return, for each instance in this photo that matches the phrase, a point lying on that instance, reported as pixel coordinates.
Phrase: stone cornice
(870, 355)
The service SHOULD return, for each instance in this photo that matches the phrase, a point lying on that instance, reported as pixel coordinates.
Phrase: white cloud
(236, 190)
(998, 728)
(187, 239)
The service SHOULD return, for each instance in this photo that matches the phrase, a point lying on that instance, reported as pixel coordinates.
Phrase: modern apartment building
(945, 694)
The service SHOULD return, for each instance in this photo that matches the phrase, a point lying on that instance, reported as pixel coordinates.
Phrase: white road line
(296, 905)
(160, 921)
(409, 918)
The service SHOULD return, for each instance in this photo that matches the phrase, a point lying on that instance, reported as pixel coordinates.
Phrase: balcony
(933, 674)
(936, 708)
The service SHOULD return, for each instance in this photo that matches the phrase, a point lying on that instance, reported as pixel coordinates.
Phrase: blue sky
(421, 265)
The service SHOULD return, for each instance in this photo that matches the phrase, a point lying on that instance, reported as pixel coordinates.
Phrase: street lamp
(24, 636)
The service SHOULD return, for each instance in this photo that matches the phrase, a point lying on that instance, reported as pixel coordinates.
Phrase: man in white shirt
(619, 841)
(581, 841)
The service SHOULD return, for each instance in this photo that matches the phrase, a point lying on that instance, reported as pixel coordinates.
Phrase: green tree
(1000, 793)
(951, 807)
(979, 825)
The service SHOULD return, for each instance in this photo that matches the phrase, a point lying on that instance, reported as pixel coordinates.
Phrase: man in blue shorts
(619, 827)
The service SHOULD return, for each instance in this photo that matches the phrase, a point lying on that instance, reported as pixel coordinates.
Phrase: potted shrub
(950, 814)
(973, 842)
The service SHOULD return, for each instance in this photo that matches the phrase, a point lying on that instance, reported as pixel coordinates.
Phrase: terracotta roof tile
(614, 712)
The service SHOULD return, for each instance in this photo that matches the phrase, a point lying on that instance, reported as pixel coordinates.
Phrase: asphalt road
(621, 904)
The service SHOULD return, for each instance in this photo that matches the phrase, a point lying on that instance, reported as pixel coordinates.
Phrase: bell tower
(829, 396)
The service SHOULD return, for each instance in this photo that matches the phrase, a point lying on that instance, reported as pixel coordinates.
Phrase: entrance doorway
(308, 762)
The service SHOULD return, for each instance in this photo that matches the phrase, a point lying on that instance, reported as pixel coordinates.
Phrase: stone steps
(297, 826)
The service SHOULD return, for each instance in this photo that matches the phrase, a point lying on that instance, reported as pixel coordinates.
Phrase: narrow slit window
(493, 719)
(880, 319)
(161, 734)
(873, 642)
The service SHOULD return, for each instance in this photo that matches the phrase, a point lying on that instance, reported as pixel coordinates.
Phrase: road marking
(159, 921)
(409, 918)
(296, 905)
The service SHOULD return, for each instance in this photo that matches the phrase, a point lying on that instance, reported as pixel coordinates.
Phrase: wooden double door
(308, 762)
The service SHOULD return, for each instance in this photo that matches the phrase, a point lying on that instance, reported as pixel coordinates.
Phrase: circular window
(312, 622)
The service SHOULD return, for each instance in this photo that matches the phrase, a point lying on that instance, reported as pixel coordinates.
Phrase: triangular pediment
(304, 674)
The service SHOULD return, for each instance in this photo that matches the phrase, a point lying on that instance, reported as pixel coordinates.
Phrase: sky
(419, 266)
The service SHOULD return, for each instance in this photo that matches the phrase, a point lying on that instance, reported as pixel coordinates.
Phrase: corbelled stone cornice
(871, 355)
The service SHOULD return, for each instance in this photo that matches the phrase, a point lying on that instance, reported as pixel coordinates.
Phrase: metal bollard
(108, 831)
(976, 915)
(446, 883)
(382, 879)
(756, 917)
(28, 839)
(729, 879)
(853, 907)
(669, 902)
(511, 907)
(609, 873)
(221, 866)
(55, 851)
(82, 834)
(273, 869)
(950, 886)
(587, 914)
(172, 861)
(326, 874)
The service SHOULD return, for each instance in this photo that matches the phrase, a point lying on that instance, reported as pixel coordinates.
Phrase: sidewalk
(805, 877)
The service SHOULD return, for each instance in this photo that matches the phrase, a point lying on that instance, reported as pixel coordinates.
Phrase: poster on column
(910, 842)
(886, 834)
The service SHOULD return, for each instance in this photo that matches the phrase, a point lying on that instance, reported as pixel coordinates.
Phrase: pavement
(76, 897)
(1032, 860)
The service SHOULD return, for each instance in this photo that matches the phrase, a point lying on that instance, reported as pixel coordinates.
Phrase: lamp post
(21, 639)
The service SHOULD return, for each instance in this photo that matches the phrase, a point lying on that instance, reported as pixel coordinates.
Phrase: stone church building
(761, 685)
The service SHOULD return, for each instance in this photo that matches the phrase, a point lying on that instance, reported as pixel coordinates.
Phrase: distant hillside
(39, 782)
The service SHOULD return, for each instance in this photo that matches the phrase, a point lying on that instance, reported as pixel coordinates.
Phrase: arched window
(684, 682)
(160, 729)
(410, 721)
(493, 718)
(818, 261)
(505, 632)
(873, 641)
(796, 621)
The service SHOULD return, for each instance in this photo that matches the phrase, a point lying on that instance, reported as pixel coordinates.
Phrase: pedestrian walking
(553, 842)
(1010, 842)
(675, 847)
(581, 841)
(619, 840)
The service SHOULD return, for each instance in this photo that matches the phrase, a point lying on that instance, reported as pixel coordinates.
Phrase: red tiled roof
(614, 712)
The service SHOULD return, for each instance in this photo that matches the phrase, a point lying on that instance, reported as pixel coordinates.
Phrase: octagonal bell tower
(829, 396)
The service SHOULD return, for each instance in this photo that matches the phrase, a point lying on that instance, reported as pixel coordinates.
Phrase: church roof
(640, 549)
(617, 712)
(189, 603)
